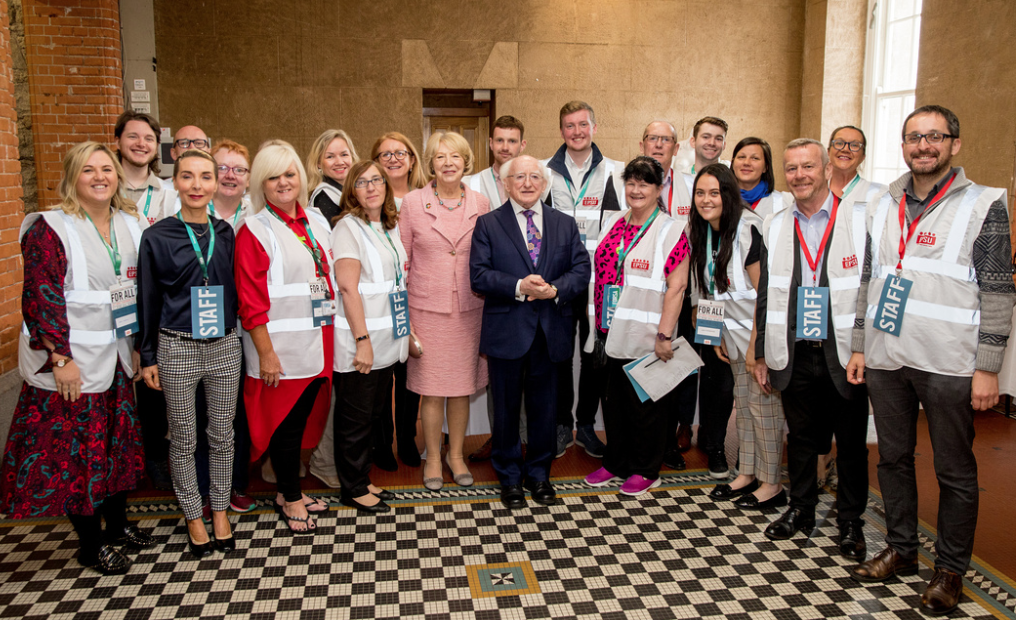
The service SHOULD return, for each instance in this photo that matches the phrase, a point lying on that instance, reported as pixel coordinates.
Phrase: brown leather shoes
(684, 437)
(483, 452)
(943, 593)
(883, 566)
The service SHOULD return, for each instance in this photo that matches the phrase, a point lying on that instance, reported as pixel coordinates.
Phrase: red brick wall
(11, 210)
(75, 80)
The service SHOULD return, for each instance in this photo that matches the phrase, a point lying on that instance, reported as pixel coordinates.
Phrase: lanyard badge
(709, 322)
(207, 302)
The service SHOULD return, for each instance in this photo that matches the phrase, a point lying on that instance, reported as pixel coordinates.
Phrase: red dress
(266, 406)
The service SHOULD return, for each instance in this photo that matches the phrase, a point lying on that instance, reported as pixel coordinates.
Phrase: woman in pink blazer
(436, 225)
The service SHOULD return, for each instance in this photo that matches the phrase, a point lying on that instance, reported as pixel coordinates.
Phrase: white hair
(506, 168)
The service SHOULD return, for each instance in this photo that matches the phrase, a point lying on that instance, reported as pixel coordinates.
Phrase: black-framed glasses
(199, 143)
(388, 155)
(377, 182)
(237, 170)
(843, 145)
(934, 137)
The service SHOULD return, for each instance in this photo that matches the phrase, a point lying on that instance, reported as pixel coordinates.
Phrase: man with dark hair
(933, 319)
(137, 148)
(708, 138)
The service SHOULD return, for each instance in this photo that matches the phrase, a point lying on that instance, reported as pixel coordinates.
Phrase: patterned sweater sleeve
(42, 299)
(992, 257)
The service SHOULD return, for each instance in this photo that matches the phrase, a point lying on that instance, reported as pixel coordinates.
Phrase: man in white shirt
(506, 142)
(137, 148)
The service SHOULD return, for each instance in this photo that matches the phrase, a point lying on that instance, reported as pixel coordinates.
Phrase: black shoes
(750, 502)
(724, 491)
(513, 497)
(200, 550)
(542, 492)
(674, 460)
(224, 545)
(852, 544)
(786, 526)
(377, 508)
(385, 495)
(108, 560)
(718, 469)
(131, 537)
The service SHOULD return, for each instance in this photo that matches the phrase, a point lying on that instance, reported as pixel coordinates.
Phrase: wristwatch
(363, 337)
(60, 363)
(662, 337)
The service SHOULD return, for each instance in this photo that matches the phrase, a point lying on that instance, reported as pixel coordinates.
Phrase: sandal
(322, 505)
(309, 520)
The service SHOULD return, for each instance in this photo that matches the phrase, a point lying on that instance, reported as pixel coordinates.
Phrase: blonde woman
(75, 442)
(328, 163)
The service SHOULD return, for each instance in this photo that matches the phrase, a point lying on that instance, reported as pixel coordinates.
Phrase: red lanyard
(813, 262)
(755, 204)
(670, 196)
(913, 225)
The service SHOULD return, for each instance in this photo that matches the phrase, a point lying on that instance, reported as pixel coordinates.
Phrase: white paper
(658, 378)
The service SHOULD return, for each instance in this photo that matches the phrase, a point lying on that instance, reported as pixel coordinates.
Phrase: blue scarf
(761, 190)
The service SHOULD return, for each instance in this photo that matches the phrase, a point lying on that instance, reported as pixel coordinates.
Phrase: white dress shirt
(523, 222)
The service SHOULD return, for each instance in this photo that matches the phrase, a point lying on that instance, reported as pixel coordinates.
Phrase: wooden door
(474, 129)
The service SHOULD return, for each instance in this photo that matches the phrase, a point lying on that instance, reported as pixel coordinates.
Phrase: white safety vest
(636, 319)
(296, 340)
(776, 201)
(374, 296)
(483, 183)
(942, 317)
(334, 194)
(739, 300)
(164, 203)
(94, 345)
(234, 220)
(587, 217)
(843, 262)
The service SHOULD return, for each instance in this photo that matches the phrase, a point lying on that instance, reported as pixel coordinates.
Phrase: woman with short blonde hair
(328, 163)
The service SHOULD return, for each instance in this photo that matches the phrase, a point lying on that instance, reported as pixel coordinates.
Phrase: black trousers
(359, 400)
(688, 390)
(636, 431)
(407, 411)
(716, 399)
(241, 443)
(89, 527)
(154, 423)
(284, 447)
(591, 379)
(815, 414)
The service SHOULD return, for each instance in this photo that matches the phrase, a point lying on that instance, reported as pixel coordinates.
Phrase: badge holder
(891, 304)
(812, 312)
(124, 298)
(709, 323)
(322, 305)
(399, 304)
(611, 295)
(207, 312)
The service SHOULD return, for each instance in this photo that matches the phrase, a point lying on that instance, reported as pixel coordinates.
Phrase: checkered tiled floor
(670, 554)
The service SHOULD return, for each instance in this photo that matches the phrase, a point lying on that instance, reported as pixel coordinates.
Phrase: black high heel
(199, 550)
(225, 545)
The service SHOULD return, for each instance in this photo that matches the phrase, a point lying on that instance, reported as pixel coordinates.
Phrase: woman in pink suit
(436, 224)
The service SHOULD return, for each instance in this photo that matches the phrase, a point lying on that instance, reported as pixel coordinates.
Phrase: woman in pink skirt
(437, 223)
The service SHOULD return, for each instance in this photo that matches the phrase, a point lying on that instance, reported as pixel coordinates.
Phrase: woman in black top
(187, 305)
(330, 158)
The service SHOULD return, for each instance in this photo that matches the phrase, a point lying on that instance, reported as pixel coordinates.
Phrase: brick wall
(11, 211)
(75, 80)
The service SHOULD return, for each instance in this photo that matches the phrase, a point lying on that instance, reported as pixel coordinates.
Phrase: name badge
(399, 303)
(709, 322)
(812, 312)
(207, 312)
(124, 298)
(611, 293)
(889, 315)
(323, 308)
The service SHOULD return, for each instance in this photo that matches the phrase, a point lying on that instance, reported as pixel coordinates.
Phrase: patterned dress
(63, 457)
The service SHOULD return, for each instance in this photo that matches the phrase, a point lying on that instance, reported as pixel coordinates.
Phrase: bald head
(189, 133)
(659, 141)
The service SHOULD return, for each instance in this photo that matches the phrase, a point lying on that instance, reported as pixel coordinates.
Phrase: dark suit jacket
(499, 258)
(780, 379)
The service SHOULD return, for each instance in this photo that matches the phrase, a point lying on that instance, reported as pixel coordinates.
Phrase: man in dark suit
(808, 247)
(529, 263)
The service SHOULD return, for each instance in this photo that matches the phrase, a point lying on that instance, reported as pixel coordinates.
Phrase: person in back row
(328, 163)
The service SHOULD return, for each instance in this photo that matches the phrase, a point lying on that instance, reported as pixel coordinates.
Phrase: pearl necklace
(462, 195)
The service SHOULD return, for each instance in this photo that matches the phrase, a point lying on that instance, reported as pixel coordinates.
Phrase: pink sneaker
(637, 485)
(601, 478)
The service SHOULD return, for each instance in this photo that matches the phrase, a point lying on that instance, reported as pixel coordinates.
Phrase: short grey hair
(506, 168)
(803, 142)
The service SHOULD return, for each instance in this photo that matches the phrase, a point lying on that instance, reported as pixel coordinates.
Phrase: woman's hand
(151, 376)
(721, 351)
(663, 350)
(68, 380)
(136, 365)
(271, 369)
(364, 358)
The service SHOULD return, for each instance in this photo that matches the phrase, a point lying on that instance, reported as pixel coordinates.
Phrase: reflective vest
(93, 342)
(374, 297)
(483, 183)
(681, 203)
(636, 320)
(296, 340)
(775, 201)
(739, 300)
(334, 194)
(942, 316)
(842, 264)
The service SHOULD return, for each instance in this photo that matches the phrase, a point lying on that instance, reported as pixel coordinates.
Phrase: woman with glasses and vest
(371, 328)
(187, 305)
(287, 308)
(328, 163)
(74, 446)
(726, 241)
(640, 279)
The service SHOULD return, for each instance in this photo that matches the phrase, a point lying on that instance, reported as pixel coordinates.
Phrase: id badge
(399, 304)
(709, 323)
(812, 312)
(124, 298)
(611, 293)
(207, 312)
(582, 229)
(323, 309)
(889, 314)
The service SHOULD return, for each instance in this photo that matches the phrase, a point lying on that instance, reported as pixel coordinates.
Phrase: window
(894, 33)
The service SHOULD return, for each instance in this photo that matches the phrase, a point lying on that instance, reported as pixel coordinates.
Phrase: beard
(941, 164)
(129, 158)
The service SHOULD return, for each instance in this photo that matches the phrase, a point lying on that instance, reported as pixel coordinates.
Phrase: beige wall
(967, 63)
(258, 69)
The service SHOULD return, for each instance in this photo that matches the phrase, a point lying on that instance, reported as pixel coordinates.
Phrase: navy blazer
(499, 258)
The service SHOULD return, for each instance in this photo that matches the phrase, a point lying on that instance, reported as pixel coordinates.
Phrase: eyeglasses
(534, 177)
(184, 143)
(237, 170)
(377, 182)
(842, 145)
(661, 139)
(933, 138)
(388, 155)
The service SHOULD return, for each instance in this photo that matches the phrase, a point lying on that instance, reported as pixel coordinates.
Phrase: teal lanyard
(585, 187)
(395, 256)
(112, 248)
(148, 201)
(312, 247)
(236, 216)
(197, 249)
(850, 186)
(622, 251)
(710, 266)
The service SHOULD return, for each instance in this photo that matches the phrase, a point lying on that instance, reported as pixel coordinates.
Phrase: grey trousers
(184, 362)
(896, 396)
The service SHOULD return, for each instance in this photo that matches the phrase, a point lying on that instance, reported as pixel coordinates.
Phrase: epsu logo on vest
(926, 238)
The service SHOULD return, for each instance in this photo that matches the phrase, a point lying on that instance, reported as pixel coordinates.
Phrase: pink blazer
(438, 253)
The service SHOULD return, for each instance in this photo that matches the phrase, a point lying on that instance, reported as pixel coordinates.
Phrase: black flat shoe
(790, 523)
(108, 561)
(375, 509)
(385, 495)
(200, 550)
(724, 491)
(542, 492)
(513, 497)
(225, 545)
(131, 536)
(750, 502)
(852, 545)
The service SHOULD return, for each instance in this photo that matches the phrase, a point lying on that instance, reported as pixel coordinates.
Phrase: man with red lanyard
(937, 271)
(659, 141)
(805, 315)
